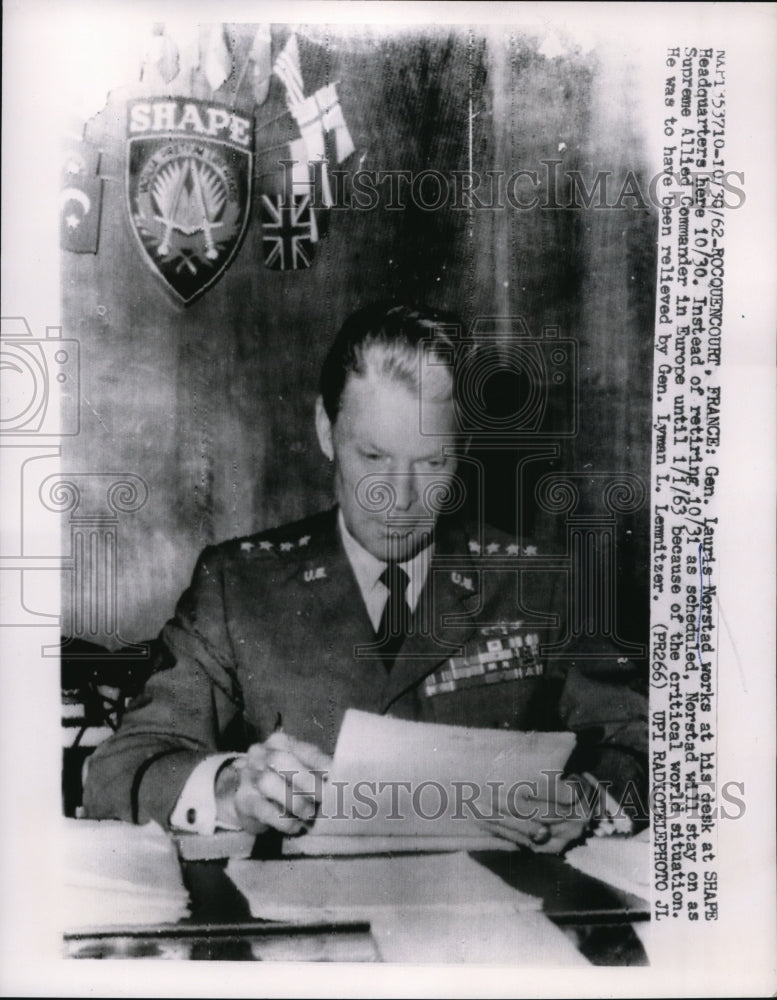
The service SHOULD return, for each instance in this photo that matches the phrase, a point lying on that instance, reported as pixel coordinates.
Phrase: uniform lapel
(445, 617)
(327, 575)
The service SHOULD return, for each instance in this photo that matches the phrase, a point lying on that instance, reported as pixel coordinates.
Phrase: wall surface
(211, 404)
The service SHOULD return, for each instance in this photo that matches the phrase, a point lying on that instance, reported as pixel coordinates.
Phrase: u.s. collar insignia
(188, 188)
(462, 581)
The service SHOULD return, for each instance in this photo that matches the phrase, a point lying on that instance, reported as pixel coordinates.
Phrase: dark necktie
(395, 622)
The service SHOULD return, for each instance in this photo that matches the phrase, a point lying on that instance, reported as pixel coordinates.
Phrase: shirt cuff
(608, 818)
(195, 811)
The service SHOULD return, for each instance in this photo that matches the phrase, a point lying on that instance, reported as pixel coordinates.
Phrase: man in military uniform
(386, 603)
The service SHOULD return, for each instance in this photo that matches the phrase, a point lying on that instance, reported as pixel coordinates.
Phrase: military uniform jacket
(274, 625)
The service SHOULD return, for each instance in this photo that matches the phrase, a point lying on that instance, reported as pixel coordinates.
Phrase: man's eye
(372, 456)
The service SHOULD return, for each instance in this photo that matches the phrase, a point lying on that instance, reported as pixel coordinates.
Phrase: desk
(595, 917)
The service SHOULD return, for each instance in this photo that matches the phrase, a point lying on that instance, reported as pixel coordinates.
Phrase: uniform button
(191, 816)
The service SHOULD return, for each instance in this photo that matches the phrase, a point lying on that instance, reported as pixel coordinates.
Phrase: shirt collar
(367, 568)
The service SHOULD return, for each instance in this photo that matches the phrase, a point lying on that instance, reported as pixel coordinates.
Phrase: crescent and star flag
(80, 199)
(189, 172)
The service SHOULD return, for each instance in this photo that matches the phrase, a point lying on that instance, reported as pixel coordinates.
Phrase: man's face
(384, 466)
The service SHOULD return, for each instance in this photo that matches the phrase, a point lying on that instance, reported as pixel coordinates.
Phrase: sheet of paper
(397, 844)
(392, 777)
(310, 890)
(623, 862)
(118, 874)
(527, 939)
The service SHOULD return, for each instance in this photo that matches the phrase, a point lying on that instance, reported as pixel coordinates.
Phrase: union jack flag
(287, 232)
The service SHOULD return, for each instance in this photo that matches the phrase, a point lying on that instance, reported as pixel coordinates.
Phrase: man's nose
(405, 491)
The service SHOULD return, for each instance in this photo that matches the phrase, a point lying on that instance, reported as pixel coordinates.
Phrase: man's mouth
(401, 531)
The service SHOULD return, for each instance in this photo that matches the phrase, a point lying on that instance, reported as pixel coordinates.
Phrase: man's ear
(324, 430)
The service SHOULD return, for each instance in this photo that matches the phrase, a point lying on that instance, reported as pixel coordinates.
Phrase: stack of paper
(396, 785)
(622, 862)
(117, 874)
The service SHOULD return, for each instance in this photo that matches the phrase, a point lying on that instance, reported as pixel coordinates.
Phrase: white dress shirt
(367, 570)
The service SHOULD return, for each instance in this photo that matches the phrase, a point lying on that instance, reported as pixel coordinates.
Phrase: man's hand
(278, 785)
(545, 819)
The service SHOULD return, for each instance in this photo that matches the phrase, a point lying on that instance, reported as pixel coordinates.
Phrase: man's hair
(387, 337)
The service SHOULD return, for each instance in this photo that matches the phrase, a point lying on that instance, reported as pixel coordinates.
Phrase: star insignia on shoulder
(492, 548)
(304, 540)
(247, 546)
(474, 547)
(530, 550)
(265, 545)
(286, 546)
(513, 550)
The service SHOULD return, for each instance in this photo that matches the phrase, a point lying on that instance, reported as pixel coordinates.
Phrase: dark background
(212, 404)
